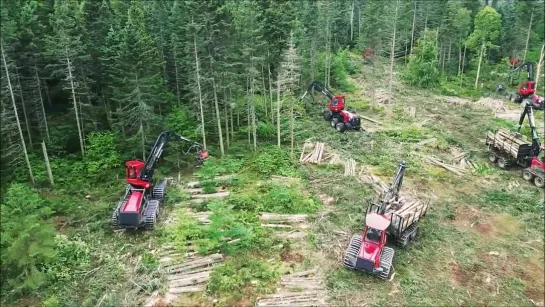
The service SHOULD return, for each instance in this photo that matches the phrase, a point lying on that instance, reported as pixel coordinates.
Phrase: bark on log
(215, 195)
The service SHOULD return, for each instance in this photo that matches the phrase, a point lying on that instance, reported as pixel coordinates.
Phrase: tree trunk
(352, 22)
(27, 124)
(16, 115)
(359, 21)
(248, 110)
(143, 139)
(539, 65)
(463, 64)
(449, 54)
(528, 36)
(200, 92)
(226, 118)
(459, 61)
(292, 124)
(47, 165)
(177, 77)
(270, 92)
(42, 104)
(216, 106)
(391, 81)
(443, 59)
(312, 59)
(254, 126)
(263, 95)
(412, 31)
(47, 94)
(479, 67)
(231, 111)
(278, 109)
(69, 67)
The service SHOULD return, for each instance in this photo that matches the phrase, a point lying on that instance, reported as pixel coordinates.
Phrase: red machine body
(335, 114)
(370, 253)
(336, 104)
(527, 88)
(140, 204)
(374, 239)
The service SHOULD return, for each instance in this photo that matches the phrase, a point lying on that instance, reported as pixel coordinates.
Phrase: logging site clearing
(262, 229)
(272, 153)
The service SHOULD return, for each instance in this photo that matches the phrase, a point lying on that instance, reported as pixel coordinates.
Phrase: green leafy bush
(27, 240)
(72, 256)
(101, 155)
(230, 281)
(272, 159)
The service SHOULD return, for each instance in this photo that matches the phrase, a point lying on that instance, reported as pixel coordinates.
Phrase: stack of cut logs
(315, 156)
(453, 168)
(462, 162)
(335, 159)
(350, 167)
(407, 208)
(507, 141)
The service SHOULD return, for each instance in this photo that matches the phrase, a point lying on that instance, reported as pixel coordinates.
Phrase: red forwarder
(140, 204)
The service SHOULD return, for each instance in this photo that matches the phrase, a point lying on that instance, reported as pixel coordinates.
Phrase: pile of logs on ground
(382, 96)
(350, 168)
(462, 162)
(453, 168)
(202, 217)
(410, 111)
(507, 141)
(297, 289)
(289, 226)
(335, 159)
(185, 274)
(378, 185)
(315, 156)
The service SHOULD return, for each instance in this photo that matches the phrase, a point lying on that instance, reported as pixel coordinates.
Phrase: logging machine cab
(133, 170)
(337, 103)
(374, 239)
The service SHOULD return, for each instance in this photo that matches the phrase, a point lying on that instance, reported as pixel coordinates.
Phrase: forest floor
(481, 243)
(258, 229)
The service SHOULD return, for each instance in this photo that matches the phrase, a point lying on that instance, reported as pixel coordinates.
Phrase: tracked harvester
(394, 217)
(335, 114)
(527, 89)
(508, 148)
(139, 206)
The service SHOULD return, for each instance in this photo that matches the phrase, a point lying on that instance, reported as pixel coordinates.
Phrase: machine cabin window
(373, 235)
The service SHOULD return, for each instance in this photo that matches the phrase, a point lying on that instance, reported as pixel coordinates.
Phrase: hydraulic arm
(319, 87)
(157, 151)
(527, 111)
(393, 192)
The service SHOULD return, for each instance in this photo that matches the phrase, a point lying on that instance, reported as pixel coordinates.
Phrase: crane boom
(157, 151)
(529, 69)
(320, 87)
(528, 111)
(393, 191)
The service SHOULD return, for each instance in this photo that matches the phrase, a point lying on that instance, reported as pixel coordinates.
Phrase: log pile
(184, 276)
(350, 168)
(315, 156)
(285, 218)
(453, 168)
(297, 289)
(410, 111)
(462, 162)
(507, 141)
(203, 217)
(378, 185)
(382, 96)
(335, 159)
